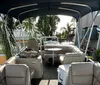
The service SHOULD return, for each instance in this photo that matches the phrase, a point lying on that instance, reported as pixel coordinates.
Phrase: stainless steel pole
(98, 41)
(91, 31)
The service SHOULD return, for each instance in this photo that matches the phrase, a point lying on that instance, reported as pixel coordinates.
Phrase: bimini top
(22, 9)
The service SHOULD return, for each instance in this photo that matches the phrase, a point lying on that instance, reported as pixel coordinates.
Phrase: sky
(63, 22)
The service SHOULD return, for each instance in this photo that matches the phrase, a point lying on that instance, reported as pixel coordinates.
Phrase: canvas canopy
(22, 9)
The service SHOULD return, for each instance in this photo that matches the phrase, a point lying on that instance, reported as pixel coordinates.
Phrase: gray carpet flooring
(49, 78)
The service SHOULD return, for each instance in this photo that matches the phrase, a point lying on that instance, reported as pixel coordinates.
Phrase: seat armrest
(39, 57)
(11, 60)
(61, 58)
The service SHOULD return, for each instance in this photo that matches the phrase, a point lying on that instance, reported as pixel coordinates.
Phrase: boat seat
(31, 58)
(73, 55)
(28, 62)
(33, 44)
(2, 75)
(84, 73)
(96, 74)
(14, 74)
(66, 55)
(68, 58)
(35, 66)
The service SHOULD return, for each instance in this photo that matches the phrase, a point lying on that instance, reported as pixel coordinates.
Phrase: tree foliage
(68, 32)
(6, 34)
(29, 26)
(46, 25)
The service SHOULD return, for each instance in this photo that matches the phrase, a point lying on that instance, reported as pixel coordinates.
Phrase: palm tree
(68, 31)
(46, 25)
(29, 26)
(6, 35)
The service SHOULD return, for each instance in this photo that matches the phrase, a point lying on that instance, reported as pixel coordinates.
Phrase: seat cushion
(82, 73)
(17, 74)
(96, 80)
(80, 84)
(31, 54)
(2, 75)
(33, 44)
(34, 64)
(73, 57)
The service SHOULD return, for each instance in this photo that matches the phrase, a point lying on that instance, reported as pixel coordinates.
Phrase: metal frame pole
(89, 38)
(98, 41)
(88, 29)
(23, 39)
(21, 34)
(84, 36)
(77, 35)
(93, 17)
(20, 40)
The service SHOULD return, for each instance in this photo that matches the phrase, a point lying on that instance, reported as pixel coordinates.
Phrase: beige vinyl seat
(67, 54)
(14, 74)
(33, 44)
(2, 75)
(35, 66)
(34, 63)
(84, 73)
(73, 54)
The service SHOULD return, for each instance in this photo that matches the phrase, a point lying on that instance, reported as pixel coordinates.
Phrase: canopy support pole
(23, 39)
(89, 38)
(98, 41)
(77, 38)
(89, 28)
(91, 31)
(85, 36)
(77, 34)
(19, 39)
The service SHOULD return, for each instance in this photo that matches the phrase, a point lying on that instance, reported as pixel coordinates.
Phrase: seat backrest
(2, 75)
(34, 64)
(96, 76)
(80, 73)
(33, 44)
(73, 57)
(17, 74)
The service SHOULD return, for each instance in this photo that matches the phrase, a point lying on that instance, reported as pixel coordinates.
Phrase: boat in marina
(58, 63)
